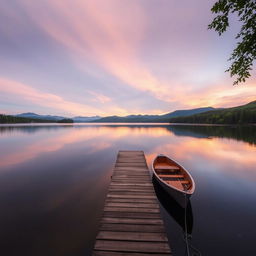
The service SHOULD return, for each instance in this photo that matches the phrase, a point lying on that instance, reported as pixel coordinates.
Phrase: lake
(54, 179)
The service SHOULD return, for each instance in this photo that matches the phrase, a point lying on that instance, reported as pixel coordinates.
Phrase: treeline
(65, 120)
(244, 133)
(7, 119)
(245, 114)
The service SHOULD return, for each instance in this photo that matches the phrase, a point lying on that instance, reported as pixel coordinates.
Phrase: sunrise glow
(98, 57)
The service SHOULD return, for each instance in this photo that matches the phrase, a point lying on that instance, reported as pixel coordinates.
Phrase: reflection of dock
(131, 223)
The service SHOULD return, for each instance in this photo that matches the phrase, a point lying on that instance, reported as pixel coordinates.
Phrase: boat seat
(176, 184)
(185, 182)
(166, 167)
(171, 175)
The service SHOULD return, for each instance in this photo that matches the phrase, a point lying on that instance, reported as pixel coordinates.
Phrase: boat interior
(171, 173)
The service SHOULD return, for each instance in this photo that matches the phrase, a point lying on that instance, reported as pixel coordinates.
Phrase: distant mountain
(42, 117)
(188, 112)
(77, 119)
(245, 114)
(82, 119)
(236, 115)
(152, 118)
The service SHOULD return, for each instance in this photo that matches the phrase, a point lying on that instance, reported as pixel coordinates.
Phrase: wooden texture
(131, 223)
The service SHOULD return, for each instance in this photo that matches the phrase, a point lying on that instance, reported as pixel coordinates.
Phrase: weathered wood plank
(132, 205)
(127, 246)
(131, 200)
(107, 253)
(130, 164)
(146, 184)
(130, 160)
(116, 220)
(119, 183)
(127, 155)
(129, 185)
(124, 191)
(132, 196)
(131, 209)
(138, 188)
(131, 236)
(116, 190)
(139, 215)
(133, 179)
(132, 227)
(130, 191)
(132, 169)
(128, 175)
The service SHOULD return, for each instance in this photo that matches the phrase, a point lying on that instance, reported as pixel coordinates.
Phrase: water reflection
(174, 209)
(32, 128)
(53, 181)
(240, 133)
(182, 216)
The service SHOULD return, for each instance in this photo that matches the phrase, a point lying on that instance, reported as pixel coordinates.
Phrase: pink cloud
(149, 48)
(21, 92)
(100, 31)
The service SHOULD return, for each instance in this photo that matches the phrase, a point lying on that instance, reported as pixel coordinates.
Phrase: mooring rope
(186, 231)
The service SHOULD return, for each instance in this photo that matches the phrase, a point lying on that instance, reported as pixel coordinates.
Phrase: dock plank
(116, 220)
(105, 253)
(132, 246)
(132, 205)
(132, 236)
(132, 227)
(131, 209)
(131, 224)
(131, 200)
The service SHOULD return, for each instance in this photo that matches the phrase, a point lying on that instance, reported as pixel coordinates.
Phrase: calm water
(54, 179)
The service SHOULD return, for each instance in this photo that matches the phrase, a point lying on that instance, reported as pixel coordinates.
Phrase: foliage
(245, 52)
(245, 114)
(6, 119)
(65, 120)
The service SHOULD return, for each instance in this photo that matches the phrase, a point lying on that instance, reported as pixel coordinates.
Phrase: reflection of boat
(174, 209)
(183, 216)
(175, 179)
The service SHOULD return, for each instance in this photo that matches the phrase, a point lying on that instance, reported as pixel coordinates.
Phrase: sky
(114, 57)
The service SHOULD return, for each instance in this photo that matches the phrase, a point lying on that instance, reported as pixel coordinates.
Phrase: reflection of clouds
(44, 145)
(231, 154)
(228, 156)
(97, 137)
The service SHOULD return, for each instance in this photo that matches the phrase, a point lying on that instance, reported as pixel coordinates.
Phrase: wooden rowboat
(174, 179)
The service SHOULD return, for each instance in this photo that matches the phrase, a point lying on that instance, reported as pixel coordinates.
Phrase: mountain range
(118, 119)
(245, 114)
(76, 119)
(165, 118)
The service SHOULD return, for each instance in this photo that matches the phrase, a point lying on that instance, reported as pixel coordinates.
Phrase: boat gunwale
(193, 185)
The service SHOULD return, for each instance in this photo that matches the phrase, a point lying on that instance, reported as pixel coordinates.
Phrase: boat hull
(180, 197)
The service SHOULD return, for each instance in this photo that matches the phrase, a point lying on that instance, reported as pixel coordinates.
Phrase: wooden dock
(131, 223)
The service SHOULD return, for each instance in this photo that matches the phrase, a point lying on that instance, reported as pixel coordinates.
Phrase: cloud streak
(152, 61)
(92, 30)
(28, 93)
